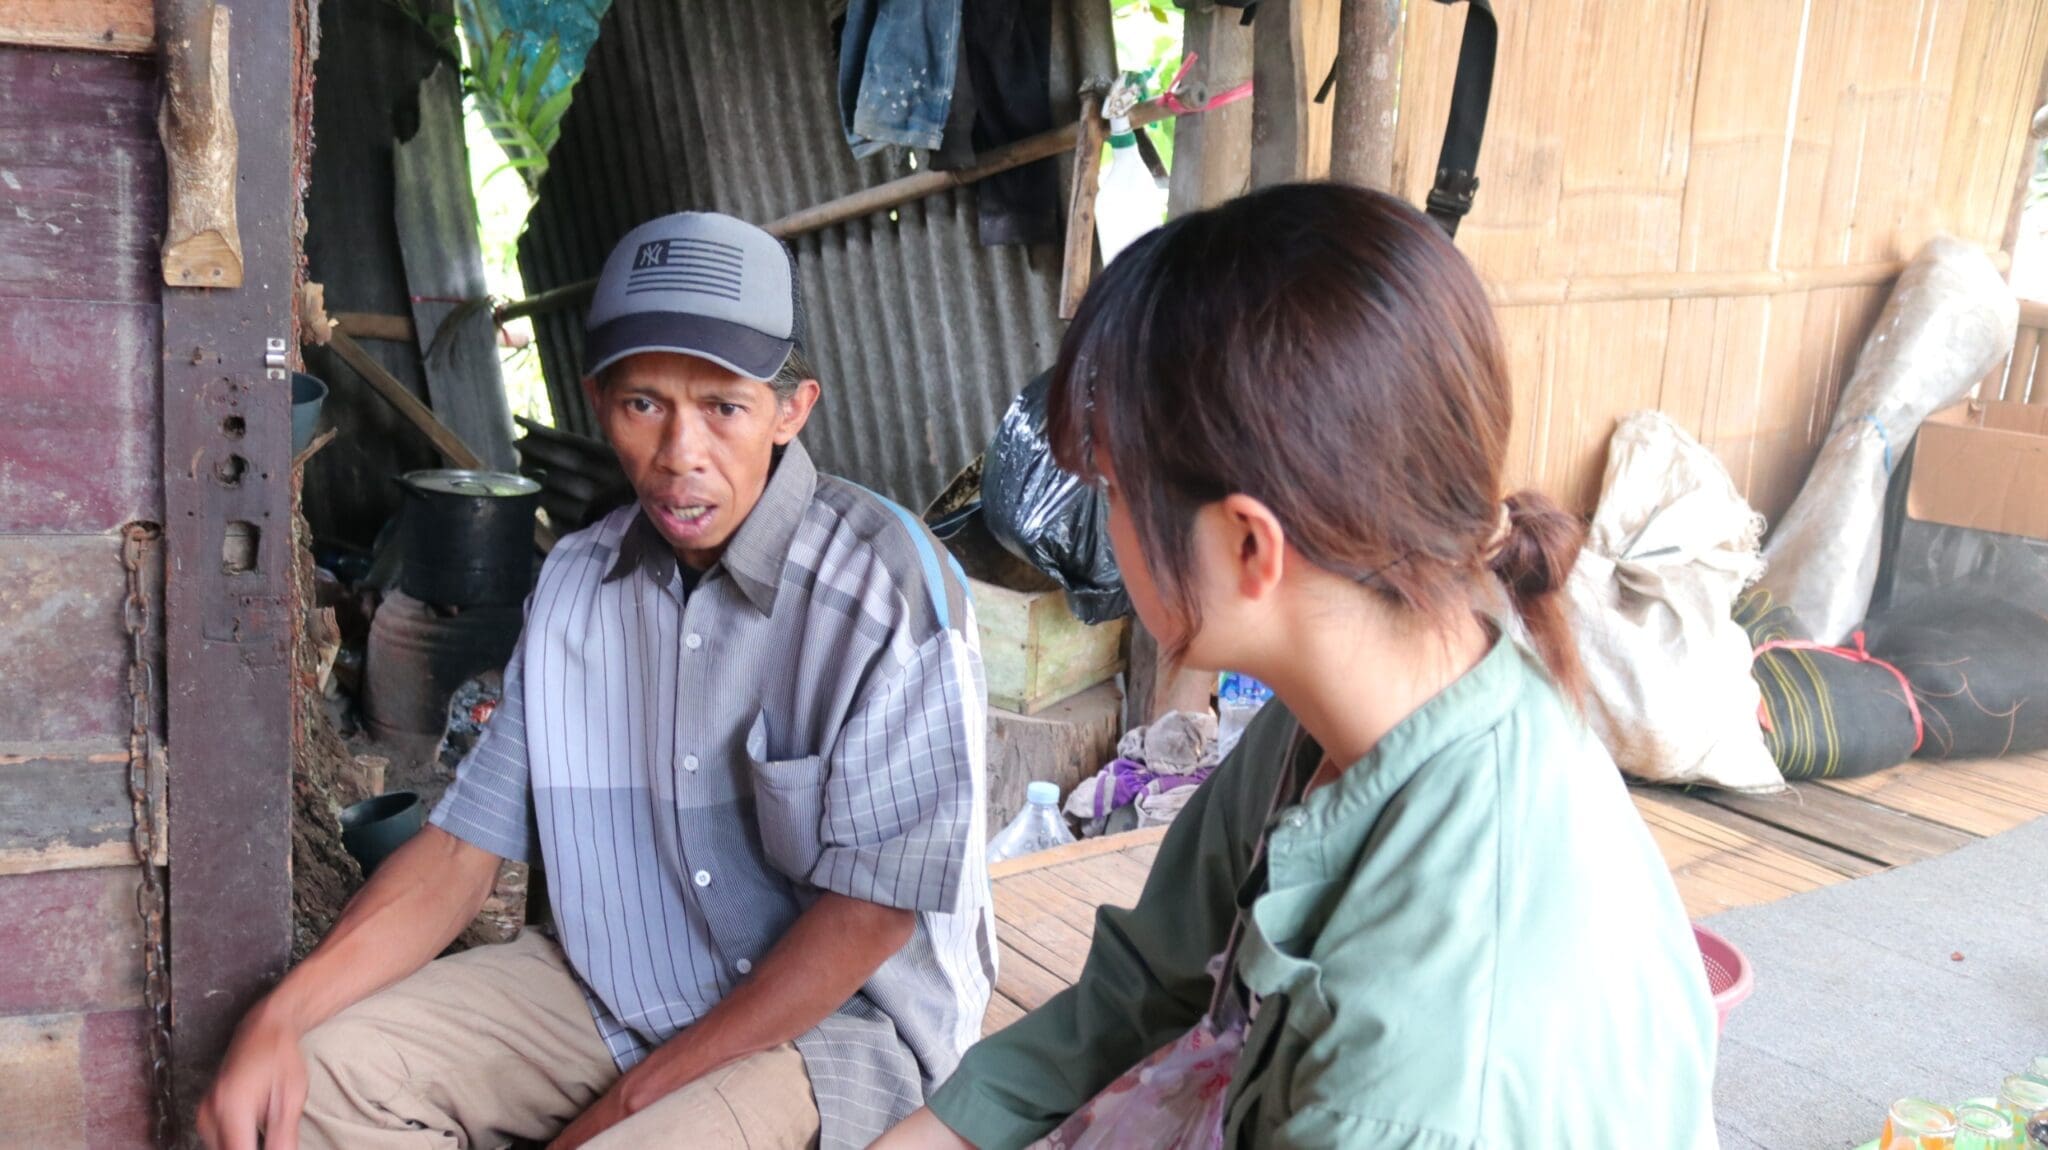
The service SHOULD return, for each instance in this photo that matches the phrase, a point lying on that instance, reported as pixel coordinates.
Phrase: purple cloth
(1124, 781)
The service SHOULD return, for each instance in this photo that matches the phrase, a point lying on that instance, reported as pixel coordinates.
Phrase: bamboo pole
(868, 201)
(1695, 285)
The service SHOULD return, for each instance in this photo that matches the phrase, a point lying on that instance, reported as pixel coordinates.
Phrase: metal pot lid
(481, 484)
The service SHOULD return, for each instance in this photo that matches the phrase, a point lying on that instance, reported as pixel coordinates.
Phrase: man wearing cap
(743, 732)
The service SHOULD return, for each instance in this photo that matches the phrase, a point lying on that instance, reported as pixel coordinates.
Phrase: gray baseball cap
(697, 283)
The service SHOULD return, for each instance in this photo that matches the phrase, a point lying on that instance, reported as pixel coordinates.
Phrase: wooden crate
(1034, 650)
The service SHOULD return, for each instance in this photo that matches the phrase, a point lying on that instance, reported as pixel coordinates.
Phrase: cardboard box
(1983, 466)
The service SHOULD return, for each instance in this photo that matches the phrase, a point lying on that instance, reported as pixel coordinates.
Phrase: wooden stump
(1064, 743)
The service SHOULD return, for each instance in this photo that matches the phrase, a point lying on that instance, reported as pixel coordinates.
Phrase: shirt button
(1295, 819)
(689, 762)
(693, 640)
(743, 966)
(702, 878)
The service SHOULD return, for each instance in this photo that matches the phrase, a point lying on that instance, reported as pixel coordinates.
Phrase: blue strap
(1884, 439)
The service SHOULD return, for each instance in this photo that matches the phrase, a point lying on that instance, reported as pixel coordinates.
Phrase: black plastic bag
(1048, 517)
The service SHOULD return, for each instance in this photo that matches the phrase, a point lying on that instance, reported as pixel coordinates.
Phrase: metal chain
(138, 539)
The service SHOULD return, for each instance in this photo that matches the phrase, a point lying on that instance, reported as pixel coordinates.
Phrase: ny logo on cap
(704, 266)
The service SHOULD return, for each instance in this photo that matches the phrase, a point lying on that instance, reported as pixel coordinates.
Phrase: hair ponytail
(1534, 558)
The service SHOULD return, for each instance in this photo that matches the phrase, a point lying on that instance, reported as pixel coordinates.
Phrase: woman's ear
(1252, 542)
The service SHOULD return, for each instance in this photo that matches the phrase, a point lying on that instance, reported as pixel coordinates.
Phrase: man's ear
(593, 393)
(794, 410)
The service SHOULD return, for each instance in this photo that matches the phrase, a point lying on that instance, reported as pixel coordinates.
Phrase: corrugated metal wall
(921, 335)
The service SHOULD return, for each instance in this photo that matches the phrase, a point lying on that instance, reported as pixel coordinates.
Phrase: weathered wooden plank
(81, 176)
(1105, 880)
(1024, 981)
(1980, 797)
(65, 814)
(1847, 821)
(1717, 868)
(42, 1094)
(83, 25)
(63, 652)
(1086, 848)
(79, 449)
(72, 941)
(1825, 853)
(115, 1066)
(1028, 899)
(1025, 919)
(228, 680)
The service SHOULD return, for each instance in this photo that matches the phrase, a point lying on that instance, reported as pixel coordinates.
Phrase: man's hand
(261, 1088)
(603, 1114)
(415, 905)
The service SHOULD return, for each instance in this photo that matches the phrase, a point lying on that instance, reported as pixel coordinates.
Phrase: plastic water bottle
(1128, 201)
(1039, 826)
(1238, 699)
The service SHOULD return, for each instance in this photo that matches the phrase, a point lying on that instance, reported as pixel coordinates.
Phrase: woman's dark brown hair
(1325, 350)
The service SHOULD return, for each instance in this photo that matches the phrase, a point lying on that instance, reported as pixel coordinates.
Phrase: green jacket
(1468, 940)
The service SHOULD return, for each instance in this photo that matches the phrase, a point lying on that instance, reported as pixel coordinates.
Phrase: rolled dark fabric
(1979, 666)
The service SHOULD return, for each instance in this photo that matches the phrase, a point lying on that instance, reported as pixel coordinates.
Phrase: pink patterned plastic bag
(1174, 1098)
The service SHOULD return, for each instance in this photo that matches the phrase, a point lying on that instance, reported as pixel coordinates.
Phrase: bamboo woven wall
(1664, 181)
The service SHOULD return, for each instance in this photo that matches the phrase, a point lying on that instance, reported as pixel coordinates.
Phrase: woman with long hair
(1415, 907)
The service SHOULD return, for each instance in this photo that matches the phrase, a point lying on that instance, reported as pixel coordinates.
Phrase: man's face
(697, 441)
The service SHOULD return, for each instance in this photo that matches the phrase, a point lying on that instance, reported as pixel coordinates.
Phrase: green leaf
(542, 68)
(546, 123)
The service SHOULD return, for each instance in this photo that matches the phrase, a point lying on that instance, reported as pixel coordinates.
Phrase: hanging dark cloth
(1002, 92)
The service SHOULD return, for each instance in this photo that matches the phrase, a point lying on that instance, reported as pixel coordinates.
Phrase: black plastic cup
(375, 827)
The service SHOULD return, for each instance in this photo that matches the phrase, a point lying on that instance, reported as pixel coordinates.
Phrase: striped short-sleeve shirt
(693, 767)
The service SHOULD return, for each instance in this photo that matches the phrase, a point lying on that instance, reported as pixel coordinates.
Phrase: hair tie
(1503, 530)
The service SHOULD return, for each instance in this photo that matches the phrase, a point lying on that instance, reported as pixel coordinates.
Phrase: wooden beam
(367, 325)
(1293, 45)
(1078, 268)
(399, 396)
(868, 201)
(124, 26)
(228, 557)
(1212, 151)
(1368, 87)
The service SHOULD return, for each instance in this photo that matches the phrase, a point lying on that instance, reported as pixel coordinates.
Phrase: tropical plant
(506, 82)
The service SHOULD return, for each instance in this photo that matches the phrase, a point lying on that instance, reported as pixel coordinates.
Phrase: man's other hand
(261, 1088)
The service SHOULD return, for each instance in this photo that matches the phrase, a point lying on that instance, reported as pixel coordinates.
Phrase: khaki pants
(497, 1044)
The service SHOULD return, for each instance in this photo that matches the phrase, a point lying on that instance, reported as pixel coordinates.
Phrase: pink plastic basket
(1728, 973)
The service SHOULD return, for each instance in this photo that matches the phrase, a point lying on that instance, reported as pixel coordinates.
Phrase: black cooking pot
(466, 537)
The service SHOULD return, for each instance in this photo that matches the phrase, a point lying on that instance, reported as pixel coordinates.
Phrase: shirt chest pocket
(789, 806)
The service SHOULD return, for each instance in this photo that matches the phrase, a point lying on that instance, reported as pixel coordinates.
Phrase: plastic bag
(1949, 320)
(1667, 667)
(1048, 517)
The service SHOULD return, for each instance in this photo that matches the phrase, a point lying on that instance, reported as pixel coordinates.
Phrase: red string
(1857, 654)
(1171, 100)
